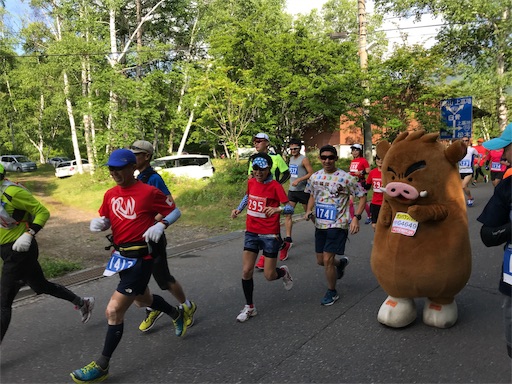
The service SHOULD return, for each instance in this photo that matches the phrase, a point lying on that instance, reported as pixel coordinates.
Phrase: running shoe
(486, 178)
(283, 255)
(287, 278)
(473, 183)
(189, 313)
(91, 373)
(340, 269)
(471, 202)
(330, 297)
(368, 220)
(246, 313)
(150, 320)
(86, 309)
(261, 263)
(180, 324)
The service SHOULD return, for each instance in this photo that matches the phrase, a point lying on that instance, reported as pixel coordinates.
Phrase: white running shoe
(86, 309)
(246, 313)
(287, 278)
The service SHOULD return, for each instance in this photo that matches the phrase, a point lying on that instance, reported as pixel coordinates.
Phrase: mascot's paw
(440, 315)
(397, 313)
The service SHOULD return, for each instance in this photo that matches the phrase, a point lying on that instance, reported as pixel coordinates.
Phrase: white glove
(99, 224)
(154, 233)
(23, 243)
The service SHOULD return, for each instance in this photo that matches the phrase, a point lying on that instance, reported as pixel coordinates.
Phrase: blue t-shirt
(154, 179)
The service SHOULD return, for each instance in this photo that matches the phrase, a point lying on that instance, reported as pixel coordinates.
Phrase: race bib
(118, 263)
(507, 265)
(496, 166)
(353, 168)
(256, 205)
(325, 213)
(404, 224)
(464, 163)
(294, 171)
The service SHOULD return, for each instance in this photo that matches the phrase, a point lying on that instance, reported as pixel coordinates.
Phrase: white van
(192, 166)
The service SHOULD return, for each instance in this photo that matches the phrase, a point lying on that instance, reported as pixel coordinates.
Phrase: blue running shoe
(330, 297)
(91, 373)
(180, 324)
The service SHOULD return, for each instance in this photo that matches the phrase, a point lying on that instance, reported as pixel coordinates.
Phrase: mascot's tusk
(423, 194)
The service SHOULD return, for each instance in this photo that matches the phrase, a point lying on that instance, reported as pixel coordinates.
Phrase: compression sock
(248, 287)
(112, 339)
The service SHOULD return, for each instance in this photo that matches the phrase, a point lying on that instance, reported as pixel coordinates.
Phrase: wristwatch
(358, 217)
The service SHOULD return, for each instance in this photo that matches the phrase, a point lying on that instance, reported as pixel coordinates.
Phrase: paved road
(293, 339)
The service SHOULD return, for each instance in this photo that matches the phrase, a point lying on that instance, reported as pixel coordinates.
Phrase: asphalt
(293, 339)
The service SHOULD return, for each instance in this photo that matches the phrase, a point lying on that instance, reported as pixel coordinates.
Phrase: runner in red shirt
(262, 229)
(374, 181)
(480, 160)
(359, 167)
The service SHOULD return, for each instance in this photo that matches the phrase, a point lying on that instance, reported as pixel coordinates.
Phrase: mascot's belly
(424, 265)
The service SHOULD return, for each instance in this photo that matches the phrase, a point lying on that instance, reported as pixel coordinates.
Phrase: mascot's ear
(382, 148)
(455, 152)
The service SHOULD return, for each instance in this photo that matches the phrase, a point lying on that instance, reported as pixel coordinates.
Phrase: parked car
(69, 168)
(192, 166)
(17, 163)
(54, 161)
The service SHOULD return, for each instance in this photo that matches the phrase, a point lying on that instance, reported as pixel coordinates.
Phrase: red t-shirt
(375, 179)
(357, 167)
(263, 195)
(483, 155)
(495, 158)
(132, 210)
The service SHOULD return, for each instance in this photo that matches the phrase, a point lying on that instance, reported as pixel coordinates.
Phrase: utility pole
(363, 59)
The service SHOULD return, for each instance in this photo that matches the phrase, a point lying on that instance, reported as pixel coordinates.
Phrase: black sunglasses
(257, 168)
(112, 169)
(330, 157)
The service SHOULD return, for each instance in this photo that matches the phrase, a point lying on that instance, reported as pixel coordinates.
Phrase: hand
(99, 224)
(295, 182)
(486, 167)
(235, 213)
(354, 226)
(154, 233)
(23, 243)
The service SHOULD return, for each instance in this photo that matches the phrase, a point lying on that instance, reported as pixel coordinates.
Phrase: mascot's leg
(440, 315)
(397, 312)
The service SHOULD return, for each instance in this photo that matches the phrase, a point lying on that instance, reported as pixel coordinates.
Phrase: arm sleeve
(492, 236)
(23, 199)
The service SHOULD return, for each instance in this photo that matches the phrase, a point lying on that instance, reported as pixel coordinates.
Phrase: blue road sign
(457, 117)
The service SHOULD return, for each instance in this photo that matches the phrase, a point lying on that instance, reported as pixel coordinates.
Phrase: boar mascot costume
(421, 246)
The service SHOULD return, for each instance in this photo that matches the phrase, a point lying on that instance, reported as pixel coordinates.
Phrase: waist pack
(131, 250)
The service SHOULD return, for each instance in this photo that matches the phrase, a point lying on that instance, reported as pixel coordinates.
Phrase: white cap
(261, 135)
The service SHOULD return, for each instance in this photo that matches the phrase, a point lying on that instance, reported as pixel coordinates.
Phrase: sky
(418, 32)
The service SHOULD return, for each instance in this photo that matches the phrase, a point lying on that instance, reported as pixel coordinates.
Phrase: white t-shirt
(466, 164)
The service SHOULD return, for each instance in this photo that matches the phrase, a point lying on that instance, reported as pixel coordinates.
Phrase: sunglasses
(113, 169)
(256, 168)
(330, 157)
(294, 149)
(258, 141)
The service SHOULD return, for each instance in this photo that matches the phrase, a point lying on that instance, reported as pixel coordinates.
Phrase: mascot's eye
(392, 177)
(409, 179)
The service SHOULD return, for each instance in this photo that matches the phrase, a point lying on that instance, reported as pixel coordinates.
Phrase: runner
(21, 218)
(359, 167)
(466, 169)
(328, 207)
(375, 181)
(262, 230)
(300, 171)
(143, 151)
(130, 208)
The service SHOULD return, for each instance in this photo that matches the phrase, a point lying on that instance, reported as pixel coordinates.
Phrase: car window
(64, 164)
(191, 161)
(23, 159)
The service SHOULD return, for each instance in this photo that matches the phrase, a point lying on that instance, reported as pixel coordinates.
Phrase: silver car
(17, 163)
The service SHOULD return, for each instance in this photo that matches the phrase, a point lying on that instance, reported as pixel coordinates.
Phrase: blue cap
(260, 162)
(502, 141)
(121, 157)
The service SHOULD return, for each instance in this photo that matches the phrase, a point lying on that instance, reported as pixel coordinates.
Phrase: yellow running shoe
(91, 373)
(189, 313)
(150, 320)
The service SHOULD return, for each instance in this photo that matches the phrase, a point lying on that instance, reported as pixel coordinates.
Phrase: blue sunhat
(502, 141)
(121, 158)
